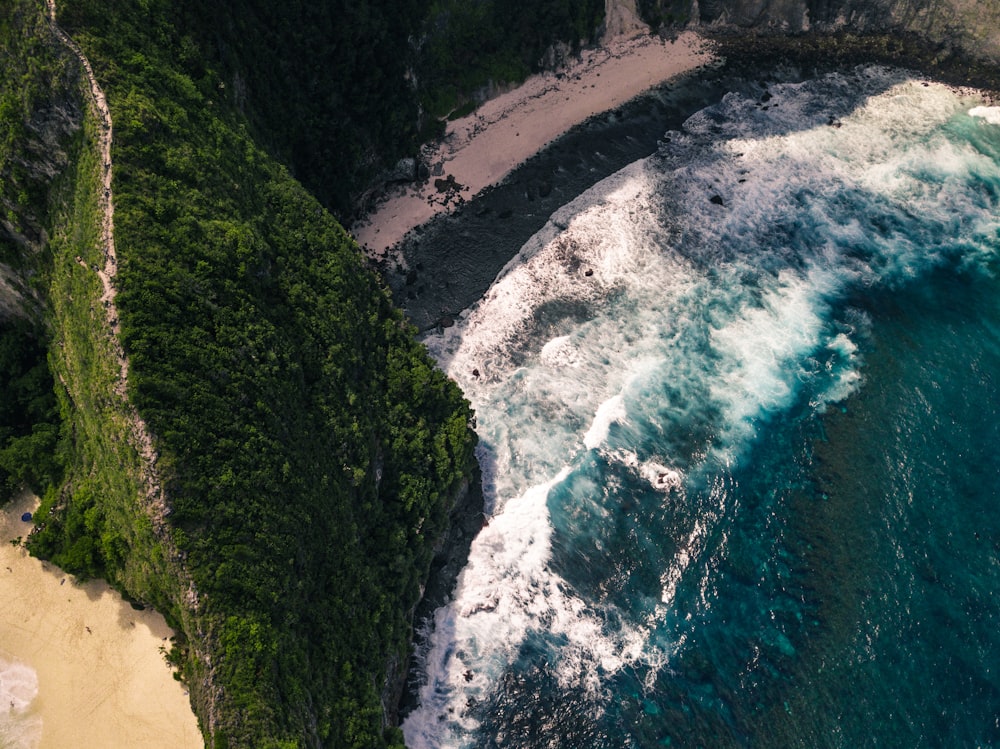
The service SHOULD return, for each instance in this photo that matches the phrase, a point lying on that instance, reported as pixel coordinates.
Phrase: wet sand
(481, 149)
(101, 675)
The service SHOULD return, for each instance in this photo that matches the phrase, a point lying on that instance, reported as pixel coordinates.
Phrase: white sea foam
(845, 366)
(660, 477)
(660, 328)
(608, 413)
(990, 114)
(505, 592)
(559, 352)
(20, 727)
(507, 589)
(760, 349)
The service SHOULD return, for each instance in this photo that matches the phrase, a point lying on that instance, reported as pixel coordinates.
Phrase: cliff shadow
(451, 261)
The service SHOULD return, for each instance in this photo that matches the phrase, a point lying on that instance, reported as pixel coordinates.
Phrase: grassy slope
(310, 448)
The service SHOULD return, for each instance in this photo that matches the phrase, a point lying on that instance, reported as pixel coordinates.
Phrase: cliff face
(39, 113)
(966, 25)
(307, 449)
(312, 450)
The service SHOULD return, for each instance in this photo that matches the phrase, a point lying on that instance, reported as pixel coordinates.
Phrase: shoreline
(440, 267)
(445, 265)
(480, 150)
(101, 675)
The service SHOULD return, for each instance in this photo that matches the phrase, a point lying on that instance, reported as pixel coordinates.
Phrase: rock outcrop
(972, 28)
(622, 19)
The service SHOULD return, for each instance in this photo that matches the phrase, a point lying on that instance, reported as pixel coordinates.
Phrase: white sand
(102, 679)
(483, 148)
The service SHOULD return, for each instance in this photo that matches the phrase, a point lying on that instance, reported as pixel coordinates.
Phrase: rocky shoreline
(452, 260)
(823, 51)
(464, 522)
(480, 149)
(449, 262)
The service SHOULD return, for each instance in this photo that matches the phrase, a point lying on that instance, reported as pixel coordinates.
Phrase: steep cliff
(960, 25)
(252, 441)
(39, 112)
(298, 453)
(40, 119)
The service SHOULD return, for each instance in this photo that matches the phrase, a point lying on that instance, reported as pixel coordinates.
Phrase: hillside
(223, 411)
(247, 436)
(297, 453)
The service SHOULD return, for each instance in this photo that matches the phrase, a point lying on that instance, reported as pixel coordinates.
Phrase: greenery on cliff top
(309, 446)
(29, 418)
(468, 45)
(33, 80)
(323, 86)
(340, 90)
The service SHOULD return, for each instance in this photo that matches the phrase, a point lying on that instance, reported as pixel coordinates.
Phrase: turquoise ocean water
(738, 406)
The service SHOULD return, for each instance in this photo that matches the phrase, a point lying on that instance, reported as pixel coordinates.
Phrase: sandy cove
(102, 678)
(481, 149)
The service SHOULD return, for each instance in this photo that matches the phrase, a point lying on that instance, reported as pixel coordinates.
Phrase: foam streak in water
(19, 727)
(631, 354)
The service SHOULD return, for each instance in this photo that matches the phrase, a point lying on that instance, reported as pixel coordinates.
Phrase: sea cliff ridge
(309, 450)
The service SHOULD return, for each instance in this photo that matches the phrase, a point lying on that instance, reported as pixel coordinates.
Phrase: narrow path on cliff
(139, 434)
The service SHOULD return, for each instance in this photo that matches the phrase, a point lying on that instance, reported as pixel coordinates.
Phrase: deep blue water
(739, 414)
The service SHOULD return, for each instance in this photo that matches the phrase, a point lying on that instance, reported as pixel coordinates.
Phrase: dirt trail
(139, 434)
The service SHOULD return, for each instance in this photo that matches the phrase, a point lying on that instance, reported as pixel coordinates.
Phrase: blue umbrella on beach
(26, 517)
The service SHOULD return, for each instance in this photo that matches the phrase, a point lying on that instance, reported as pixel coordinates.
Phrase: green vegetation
(34, 79)
(29, 417)
(308, 449)
(468, 45)
(659, 13)
(323, 85)
(96, 523)
(332, 89)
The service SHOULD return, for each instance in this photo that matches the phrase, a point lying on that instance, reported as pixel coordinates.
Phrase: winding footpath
(139, 435)
(110, 269)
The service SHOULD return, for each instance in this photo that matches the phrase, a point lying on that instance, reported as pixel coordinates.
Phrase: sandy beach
(97, 664)
(481, 149)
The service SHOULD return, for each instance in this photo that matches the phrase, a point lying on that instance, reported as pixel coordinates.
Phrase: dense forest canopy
(309, 449)
(338, 91)
(465, 45)
(36, 110)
